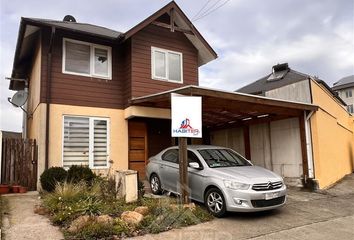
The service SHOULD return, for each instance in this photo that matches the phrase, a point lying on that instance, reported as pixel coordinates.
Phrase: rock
(105, 219)
(143, 210)
(40, 210)
(190, 206)
(79, 223)
(131, 217)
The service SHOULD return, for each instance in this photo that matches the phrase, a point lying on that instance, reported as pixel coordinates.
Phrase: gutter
(48, 96)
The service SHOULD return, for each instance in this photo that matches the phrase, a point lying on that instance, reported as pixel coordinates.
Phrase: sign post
(186, 122)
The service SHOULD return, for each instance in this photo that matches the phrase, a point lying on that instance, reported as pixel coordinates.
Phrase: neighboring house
(331, 127)
(345, 90)
(101, 98)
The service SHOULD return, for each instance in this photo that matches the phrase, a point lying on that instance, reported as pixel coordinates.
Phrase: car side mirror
(194, 165)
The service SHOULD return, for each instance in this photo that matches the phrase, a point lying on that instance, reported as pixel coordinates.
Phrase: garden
(85, 206)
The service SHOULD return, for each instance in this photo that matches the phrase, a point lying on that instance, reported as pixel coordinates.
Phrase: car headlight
(236, 185)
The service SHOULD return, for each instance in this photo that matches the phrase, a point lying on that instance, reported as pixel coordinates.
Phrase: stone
(131, 217)
(40, 210)
(190, 206)
(79, 223)
(143, 210)
(105, 219)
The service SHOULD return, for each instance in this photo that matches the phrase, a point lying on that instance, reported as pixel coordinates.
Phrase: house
(101, 98)
(345, 90)
(330, 128)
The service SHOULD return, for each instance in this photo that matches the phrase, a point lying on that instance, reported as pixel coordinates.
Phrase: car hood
(247, 174)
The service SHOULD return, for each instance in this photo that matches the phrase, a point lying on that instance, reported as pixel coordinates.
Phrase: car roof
(200, 147)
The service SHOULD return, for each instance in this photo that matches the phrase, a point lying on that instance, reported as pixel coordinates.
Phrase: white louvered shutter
(100, 143)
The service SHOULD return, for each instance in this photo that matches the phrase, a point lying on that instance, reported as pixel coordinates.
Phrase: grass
(70, 201)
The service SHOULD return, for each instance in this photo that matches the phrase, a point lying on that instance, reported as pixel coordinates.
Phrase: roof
(85, 28)
(287, 77)
(345, 82)
(223, 108)
(262, 85)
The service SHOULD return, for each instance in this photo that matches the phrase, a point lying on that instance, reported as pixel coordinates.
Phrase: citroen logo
(269, 185)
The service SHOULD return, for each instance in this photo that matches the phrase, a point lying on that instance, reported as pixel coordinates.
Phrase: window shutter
(100, 143)
(77, 57)
(76, 141)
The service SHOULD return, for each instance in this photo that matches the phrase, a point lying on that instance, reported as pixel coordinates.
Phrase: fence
(19, 162)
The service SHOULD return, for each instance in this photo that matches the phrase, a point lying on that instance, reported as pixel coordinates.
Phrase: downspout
(309, 144)
(25, 115)
(48, 96)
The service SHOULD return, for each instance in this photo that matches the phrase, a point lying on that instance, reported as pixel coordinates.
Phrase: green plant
(51, 176)
(141, 189)
(80, 173)
(93, 230)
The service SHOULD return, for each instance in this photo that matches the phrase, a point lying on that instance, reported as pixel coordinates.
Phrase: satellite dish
(69, 18)
(19, 98)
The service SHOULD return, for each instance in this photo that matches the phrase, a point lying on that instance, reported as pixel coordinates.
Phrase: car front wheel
(155, 184)
(215, 202)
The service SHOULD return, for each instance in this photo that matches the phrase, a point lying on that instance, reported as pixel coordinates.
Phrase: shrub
(51, 176)
(80, 173)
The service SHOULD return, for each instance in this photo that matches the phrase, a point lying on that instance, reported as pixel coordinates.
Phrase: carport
(271, 133)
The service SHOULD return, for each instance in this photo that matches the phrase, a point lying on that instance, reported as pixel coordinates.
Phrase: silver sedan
(218, 177)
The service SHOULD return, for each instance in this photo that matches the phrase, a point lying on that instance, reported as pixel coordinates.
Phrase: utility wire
(206, 13)
(200, 10)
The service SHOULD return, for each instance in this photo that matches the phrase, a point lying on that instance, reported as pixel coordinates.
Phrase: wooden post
(183, 170)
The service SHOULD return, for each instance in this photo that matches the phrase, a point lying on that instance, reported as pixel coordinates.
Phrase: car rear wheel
(155, 184)
(215, 202)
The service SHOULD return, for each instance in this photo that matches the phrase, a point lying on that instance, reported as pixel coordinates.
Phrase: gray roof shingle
(78, 27)
(345, 82)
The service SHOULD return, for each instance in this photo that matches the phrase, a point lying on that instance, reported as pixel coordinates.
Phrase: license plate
(272, 195)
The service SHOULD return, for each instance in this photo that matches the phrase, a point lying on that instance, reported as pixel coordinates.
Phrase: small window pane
(100, 143)
(160, 64)
(101, 62)
(76, 141)
(174, 66)
(77, 57)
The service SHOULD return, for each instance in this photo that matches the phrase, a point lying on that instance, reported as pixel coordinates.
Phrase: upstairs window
(85, 142)
(348, 93)
(350, 108)
(166, 65)
(87, 59)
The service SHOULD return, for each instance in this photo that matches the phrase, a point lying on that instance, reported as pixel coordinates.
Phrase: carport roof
(223, 109)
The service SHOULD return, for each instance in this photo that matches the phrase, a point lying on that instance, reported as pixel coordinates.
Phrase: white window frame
(165, 51)
(350, 108)
(91, 139)
(92, 59)
(348, 93)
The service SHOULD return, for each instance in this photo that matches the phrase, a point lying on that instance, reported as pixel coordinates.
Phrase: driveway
(307, 215)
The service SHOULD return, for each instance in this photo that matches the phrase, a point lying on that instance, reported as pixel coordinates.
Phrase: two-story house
(345, 90)
(101, 98)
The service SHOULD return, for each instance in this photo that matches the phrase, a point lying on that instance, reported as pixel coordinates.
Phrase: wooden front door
(138, 147)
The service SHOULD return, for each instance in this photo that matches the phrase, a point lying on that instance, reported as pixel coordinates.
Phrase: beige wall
(118, 133)
(332, 137)
(232, 138)
(137, 111)
(34, 82)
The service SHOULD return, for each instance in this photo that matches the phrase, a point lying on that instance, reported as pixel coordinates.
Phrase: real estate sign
(186, 114)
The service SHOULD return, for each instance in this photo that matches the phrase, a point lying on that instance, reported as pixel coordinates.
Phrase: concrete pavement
(307, 215)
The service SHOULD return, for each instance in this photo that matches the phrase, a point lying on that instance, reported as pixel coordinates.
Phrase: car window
(223, 158)
(193, 158)
(171, 156)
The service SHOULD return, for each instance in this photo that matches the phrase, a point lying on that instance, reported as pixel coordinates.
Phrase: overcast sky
(250, 36)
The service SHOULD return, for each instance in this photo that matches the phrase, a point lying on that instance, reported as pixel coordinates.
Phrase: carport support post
(183, 169)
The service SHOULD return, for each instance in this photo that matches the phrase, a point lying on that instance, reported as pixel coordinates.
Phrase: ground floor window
(86, 141)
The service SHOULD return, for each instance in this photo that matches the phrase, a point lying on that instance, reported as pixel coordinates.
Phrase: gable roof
(345, 82)
(287, 77)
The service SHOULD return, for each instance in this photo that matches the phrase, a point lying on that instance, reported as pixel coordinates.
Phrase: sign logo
(186, 128)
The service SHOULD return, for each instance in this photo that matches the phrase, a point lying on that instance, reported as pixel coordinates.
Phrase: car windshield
(222, 158)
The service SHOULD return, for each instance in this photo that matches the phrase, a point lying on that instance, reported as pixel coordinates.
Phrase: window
(85, 141)
(350, 108)
(87, 59)
(171, 156)
(166, 65)
(348, 93)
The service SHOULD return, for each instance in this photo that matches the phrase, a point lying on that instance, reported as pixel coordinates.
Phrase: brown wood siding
(142, 83)
(79, 90)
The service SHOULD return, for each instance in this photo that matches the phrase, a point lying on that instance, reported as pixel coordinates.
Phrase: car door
(196, 177)
(169, 170)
